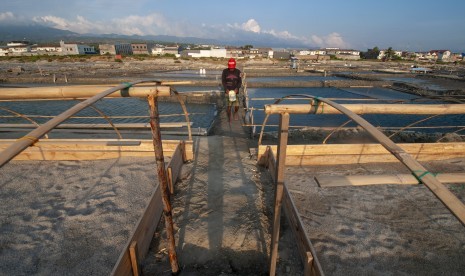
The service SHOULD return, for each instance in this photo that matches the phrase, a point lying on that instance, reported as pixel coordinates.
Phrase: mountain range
(35, 33)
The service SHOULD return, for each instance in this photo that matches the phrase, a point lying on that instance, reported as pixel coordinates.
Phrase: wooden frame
(145, 228)
(334, 154)
(397, 179)
(449, 200)
(93, 149)
(306, 250)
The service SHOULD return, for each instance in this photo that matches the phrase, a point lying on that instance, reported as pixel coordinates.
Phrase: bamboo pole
(413, 109)
(186, 114)
(36, 134)
(80, 91)
(279, 189)
(163, 180)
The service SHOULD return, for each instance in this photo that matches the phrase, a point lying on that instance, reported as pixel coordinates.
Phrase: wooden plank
(308, 265)
(290, 210)
(76, 149)
(279, 188)
(134, 261)
(324, 108)
(174, 168)
(101, 126)
(304, 244)
(142, 234)
(188, 150)
(398, 179)
(272, 164)
(332, 154)
(324, 149)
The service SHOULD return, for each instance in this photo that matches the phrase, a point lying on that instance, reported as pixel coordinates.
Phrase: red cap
(232, 63)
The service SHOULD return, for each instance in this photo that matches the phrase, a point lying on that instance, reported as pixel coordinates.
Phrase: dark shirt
(231, 79)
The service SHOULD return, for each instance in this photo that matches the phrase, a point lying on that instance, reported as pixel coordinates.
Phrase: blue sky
(416, 25)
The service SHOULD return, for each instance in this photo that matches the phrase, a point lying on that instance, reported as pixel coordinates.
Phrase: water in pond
(353, 95)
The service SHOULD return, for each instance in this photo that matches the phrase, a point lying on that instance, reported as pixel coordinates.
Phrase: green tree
(389, 54)
(370, 53)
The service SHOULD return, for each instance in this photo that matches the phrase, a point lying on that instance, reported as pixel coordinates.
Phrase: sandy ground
(70, 217)
(382, 229)
(74, 217)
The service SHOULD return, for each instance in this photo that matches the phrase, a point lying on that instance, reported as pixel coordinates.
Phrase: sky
(409, 25)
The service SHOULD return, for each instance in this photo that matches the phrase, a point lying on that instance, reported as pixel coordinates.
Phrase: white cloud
(330, 40)
(157, 24)
(250, 26)
(6, 16)
(283, 34)
(11, 18)
(152, 24)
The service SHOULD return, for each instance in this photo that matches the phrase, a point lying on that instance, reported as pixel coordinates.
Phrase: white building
(107, 49)
(47, 49)
(441, 55)
(3, 51)
(76, 49)
(217, 53)
(157, 50)
(382, 53)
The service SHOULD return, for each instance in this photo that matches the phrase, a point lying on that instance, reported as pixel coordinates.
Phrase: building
(265, 52)
(107, 49)
(3, 51)
(139, 49)
(123, 49)
(157, 50)
(215, 53)
(234, 53)
(396, 53)
(76, 49)
(312, 55)
(281, 54)
(441, 55)
(47, 49)
(18, 48)
(252, 53)
(171, 50)
(344, 54)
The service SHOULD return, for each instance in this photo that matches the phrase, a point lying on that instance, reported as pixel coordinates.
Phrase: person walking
(232, 81)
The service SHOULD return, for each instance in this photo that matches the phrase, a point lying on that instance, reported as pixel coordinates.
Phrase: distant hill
(41, 34)
(34, 33)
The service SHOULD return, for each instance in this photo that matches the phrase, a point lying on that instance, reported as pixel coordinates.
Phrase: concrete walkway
(220, 210)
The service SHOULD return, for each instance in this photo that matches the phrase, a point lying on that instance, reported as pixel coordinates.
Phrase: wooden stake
(163, 180)
(280, 164)
(134, 262)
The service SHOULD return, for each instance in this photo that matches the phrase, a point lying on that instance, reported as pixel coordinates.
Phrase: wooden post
(163, 180)
(278, 196)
